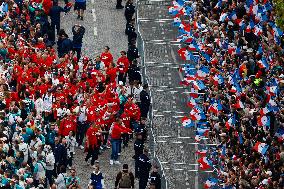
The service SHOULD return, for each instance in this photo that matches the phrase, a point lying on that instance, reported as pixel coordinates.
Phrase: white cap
(120, 83)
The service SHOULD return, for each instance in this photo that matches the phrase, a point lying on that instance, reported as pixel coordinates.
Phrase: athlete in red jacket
(116, 132)
(67, 125)
(92, 146)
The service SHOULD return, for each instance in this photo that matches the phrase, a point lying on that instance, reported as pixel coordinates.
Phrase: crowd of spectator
(53, 101)
(233, 54)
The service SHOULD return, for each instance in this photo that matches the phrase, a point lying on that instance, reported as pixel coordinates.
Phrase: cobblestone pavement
(174, 145)
(104, 26)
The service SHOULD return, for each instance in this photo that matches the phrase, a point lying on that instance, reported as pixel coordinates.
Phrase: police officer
(134, 72)
(144, 167)
(118, 4)
(155, 177)
(138, 148)
(132, 52)
(130, 31)
(145, 101)
(129, 10)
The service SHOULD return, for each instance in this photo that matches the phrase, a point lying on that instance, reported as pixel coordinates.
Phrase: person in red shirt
(67, 125)
(115, 132)
(122, 65)
(92, 146)
(106, 57)
(112, 72)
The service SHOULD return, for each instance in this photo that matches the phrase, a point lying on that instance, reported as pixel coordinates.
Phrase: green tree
(279, 8)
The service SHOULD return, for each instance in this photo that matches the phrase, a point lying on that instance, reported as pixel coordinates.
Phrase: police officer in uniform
(155, 178)
(130, 31)
(145, 101)
(144, 166)
(129, 10)
(134, 72)
(132, 52)
(138, 148)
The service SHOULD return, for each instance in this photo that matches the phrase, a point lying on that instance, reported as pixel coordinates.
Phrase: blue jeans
(114, 149)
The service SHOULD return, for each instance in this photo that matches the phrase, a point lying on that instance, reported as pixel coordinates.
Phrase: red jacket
(106, 58)
(66, 126)
(122, 64)
(92, 136)
(117, 130)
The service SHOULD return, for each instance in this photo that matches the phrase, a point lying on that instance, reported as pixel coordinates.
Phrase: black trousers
(49, 174)
(144, 110)
(143, 180)
(92, 153)
(81, 131)
(78, 51)
(118, 3)
(122, 77)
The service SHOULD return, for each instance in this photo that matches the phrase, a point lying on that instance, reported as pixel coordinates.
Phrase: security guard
(129, 10)
(144, 167)
(138, 148)
(145, 101)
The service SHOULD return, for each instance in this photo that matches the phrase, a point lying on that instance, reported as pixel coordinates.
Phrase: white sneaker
(69, 167)
(117, 162)
(118, 154)
(101, 148)
(108, 147)
(111, 162)
(82, 147)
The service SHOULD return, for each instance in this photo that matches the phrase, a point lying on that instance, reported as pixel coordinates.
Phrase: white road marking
(196, 186)
(92, 1)
(94, 15)
(95, 31)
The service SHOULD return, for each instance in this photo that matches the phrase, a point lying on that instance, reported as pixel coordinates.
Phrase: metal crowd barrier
(152, 138)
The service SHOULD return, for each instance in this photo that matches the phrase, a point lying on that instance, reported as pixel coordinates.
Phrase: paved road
(104, 26)
(173, 146)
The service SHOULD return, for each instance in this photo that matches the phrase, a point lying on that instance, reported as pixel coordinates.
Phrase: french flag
(186, 122)
(231, 122)
(273, 90)
(215, 108)
(280, 134)
(205, 163)
(265, 110)
(223, 17)
(202, 132)
(198, 138)
(201, 152)
(196, 25)
(173, 10)
(218, 80)
(191, 47)
(263, 63)
(202, 72)
(177, 21)
(182, 52)
(239, 104)
(261, 147)
(198, 85)
(263, 121)
(191, 103)
(210, 182)
(197, 114)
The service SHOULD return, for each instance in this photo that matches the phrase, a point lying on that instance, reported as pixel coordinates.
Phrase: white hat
(120, 83)
(250, 50)
(205, 30)
(268, 172)
(203, 26)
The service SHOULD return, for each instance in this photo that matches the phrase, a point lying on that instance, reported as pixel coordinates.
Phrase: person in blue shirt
(78, 34)
(80, 7)
(54, 14)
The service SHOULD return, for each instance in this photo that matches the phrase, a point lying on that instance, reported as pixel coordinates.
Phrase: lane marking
(92, 1)
(94, 15)
(95, 31)
(196, 179)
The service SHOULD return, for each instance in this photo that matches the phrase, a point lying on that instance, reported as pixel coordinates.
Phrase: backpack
(125, 181)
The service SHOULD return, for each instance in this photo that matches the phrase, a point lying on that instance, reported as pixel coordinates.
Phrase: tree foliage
(279, 8)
